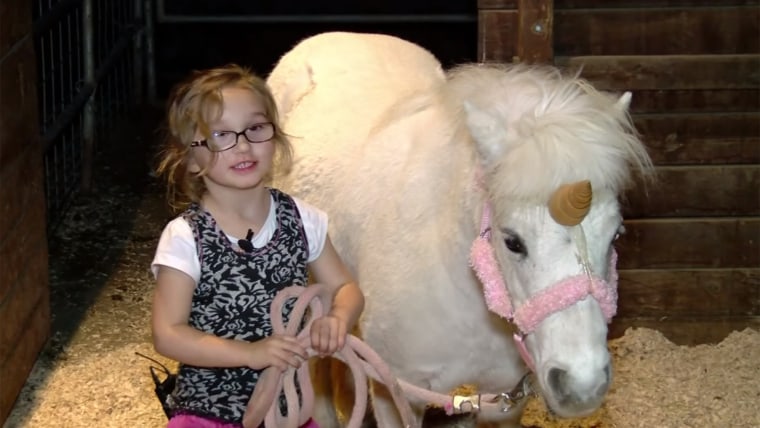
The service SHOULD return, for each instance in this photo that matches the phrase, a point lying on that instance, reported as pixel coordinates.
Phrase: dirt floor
(89, 374)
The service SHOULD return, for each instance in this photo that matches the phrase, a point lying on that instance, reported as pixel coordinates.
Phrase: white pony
(438, 188)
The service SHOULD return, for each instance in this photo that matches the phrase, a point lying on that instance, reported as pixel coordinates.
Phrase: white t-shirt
(176, 247)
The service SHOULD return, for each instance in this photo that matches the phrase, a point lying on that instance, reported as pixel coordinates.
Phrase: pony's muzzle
(577, 395)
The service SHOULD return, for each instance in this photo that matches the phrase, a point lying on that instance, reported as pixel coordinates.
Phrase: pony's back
(332, 89)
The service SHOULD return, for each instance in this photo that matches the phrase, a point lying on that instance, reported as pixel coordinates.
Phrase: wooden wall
(24, 303)
(690, 260)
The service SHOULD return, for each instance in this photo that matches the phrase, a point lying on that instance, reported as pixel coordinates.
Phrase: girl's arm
(343, 296)
(174, 338)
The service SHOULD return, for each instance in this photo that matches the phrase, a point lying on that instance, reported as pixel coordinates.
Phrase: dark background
(197, 34)
(282, 7)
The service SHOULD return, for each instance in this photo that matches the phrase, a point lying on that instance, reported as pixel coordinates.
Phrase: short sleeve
(176, 249)
(315, 225)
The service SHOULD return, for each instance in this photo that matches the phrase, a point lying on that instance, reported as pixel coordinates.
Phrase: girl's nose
(241, 144)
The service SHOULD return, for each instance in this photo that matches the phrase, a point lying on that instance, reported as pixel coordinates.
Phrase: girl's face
(245, 165)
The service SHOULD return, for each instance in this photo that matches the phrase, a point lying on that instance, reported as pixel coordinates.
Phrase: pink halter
(559, 296)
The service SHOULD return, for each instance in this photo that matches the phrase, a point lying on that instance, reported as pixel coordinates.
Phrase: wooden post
(534, 31)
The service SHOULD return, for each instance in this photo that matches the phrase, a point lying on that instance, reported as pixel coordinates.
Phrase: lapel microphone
(246, 244)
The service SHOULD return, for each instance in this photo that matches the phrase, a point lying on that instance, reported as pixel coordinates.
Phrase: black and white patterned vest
(232, 300)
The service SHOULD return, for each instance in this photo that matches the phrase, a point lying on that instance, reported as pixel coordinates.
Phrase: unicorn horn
(570, 203)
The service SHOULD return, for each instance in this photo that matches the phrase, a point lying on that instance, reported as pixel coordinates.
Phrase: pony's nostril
(607, 376)
(558, 382)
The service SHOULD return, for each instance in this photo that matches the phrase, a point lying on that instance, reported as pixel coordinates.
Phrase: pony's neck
(466, 176)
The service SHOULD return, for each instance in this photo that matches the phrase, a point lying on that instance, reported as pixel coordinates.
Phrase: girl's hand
(277, 351)
(328, 334)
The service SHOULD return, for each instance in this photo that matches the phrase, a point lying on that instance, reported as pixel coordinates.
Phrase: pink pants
(192, 421)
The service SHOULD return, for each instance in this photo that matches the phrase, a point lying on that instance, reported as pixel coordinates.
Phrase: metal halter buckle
(506, 400)
(520, 392)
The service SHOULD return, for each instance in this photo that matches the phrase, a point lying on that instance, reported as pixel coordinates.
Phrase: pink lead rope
(364, 364)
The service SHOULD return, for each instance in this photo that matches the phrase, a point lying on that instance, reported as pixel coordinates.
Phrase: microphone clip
(246, 244)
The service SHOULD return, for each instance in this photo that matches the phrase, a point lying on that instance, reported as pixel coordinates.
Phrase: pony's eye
(514, 244)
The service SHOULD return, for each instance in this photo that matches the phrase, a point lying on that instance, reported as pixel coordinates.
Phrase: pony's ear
(623, 102)
(486, 131)
(288, 92)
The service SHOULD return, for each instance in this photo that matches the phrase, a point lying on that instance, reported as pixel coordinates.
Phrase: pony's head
(555, 155)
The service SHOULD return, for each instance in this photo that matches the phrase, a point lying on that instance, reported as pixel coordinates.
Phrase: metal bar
(53, 15)
(71, 111)
(162, 17)
(149, 52)
(137, 53)
(322, 19)
(42, 54)
(88, 131)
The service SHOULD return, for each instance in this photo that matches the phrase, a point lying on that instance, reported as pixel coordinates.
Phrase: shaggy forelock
(559, 129)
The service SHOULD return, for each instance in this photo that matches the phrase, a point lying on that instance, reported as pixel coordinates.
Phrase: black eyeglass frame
(204, 143)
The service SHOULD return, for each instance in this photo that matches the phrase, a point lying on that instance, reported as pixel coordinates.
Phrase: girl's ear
(192, 165)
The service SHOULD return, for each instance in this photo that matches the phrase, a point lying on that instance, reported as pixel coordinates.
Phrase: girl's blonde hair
(192, 105)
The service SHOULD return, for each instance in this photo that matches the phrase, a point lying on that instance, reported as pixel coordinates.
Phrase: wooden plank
(22, 239)
(694, 150)
(534, 31)
(673, 31)
(667, 72)
(17, 20)
(23, 191)
(696, 101)
(624, 30)
(707, 293)
(622, 4)
(497, 4)
(707, 139)
(691, 191)
(22, 301)
(689, 331)
(18, 103)
(497, 39)
(15, 368)
(685, 243)
(625, 4)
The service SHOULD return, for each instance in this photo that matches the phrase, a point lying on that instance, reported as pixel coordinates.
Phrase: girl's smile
(245, 165)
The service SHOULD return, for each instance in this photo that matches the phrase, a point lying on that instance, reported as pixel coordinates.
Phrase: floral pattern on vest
(232, 300)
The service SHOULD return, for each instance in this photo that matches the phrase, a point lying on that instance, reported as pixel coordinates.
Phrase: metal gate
(94, 63)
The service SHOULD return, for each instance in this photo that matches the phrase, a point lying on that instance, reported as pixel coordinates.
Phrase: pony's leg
(436, 418)
(384, 408)
(504, 424)
(507, 423)
(324, 412)
(343, 391)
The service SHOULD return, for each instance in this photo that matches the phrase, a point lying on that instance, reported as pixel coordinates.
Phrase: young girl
(235, 244)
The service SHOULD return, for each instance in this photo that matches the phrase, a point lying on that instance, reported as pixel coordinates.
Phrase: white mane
(545, 129)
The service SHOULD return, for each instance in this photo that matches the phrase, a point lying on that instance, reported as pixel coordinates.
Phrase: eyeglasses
(225, 140)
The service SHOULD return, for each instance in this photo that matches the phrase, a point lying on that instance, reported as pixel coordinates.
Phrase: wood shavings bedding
(659, 384)
(656, 384)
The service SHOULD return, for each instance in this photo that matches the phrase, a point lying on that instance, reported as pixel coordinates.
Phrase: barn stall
(685, 342)
(686, 329)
